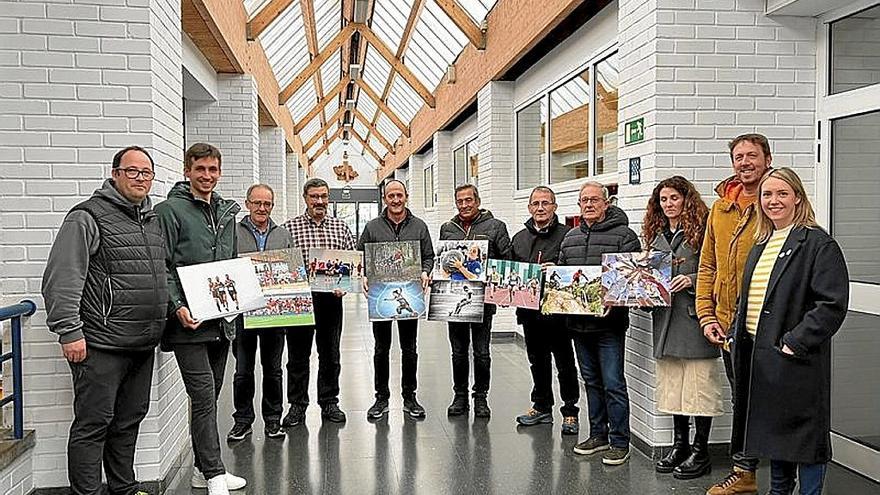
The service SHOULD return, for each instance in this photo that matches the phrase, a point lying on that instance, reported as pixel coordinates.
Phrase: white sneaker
(233, 482)
(217, 485)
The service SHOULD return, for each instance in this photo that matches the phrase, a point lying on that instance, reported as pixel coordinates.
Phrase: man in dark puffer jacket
(599, 340)
(106, 297)
(546, 335)
(473, 223)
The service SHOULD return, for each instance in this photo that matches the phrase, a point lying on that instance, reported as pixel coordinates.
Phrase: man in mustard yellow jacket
(730, 235)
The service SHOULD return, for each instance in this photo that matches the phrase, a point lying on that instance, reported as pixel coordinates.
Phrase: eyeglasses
(261, 204)
(134, 173)
(541, 204)
(319, 197)
(464, 201)
(593, 200)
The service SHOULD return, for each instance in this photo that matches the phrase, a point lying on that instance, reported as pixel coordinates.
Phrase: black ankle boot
(698, 463)
(680, 448)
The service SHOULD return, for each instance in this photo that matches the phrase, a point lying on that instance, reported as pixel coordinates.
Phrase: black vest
(125, 297)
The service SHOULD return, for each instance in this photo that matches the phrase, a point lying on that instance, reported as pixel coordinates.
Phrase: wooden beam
(397, 64)
(314, 139)
(414, 13)
(326, 145)
(333, 93)
(266, 16)
(343, 35)
(367, 147)
(372, 129)
(381, 104)
(464, 22)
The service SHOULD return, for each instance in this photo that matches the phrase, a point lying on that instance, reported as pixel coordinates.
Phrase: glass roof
(432, 44)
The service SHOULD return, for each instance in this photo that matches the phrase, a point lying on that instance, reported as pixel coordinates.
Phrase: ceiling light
(450, 74)
(354, 71)
(349, 104)
(360, 11)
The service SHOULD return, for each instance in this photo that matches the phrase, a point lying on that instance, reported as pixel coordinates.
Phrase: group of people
(755, 280)
(220, 289)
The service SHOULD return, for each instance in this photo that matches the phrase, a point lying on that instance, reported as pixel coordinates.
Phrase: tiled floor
(440, 455)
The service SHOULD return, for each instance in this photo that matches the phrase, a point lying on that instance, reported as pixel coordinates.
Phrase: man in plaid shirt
(315, 229)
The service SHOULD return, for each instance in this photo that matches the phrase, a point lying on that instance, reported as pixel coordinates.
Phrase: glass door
(847, 176)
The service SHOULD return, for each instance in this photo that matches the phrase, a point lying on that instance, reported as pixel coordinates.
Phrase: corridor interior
(439, 455)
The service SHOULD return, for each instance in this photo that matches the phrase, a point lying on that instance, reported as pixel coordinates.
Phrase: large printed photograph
(285, 285)
(393, 271)
(220, 289)
(331, 269)
(637, 279)
(513, 283)
(456, 301)
(573, 290)
(460, 260)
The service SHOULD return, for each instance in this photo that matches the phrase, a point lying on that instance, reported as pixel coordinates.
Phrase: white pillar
(273, 165)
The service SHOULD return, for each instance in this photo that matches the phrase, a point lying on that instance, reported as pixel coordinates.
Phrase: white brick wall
(293, 196)
(80, 81)
(230, 124)
(273, 165)
(17, 478)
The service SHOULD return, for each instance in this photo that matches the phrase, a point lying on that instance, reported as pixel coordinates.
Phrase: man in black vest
(539, 242)
(106, 298)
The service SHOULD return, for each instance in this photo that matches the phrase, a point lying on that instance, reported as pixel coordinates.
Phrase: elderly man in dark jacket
(257, 232)
(599, 340)
(546, 335)
(473, 223)
(199, 227)
(397, 223)
(105, 294)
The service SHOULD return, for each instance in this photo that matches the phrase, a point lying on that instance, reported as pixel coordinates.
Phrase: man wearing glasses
(199, 227)
(473, 223)
(257, 232)
(315, 229)
(105, 293)
(539, 242)
(599, 340)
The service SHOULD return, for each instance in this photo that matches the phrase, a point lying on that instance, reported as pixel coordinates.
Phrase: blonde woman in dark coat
(687, 369)
(794, 298)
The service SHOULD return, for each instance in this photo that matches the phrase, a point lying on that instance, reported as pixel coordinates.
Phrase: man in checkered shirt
(315, 229)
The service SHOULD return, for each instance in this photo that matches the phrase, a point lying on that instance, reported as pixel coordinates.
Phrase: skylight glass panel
(387, 128)
(327, 21)
(302, 101)
(310, 130)
(435, 44)
(375, 71)
(360, 128)
(404, 100)
(477, 9)
(252, 7)
(366, 105)
(285, 45)
(573, 94)
(330, 70)
(377, 145)
(389, 20)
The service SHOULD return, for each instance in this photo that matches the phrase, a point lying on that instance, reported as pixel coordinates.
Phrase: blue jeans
(784, 474)
(600, 357)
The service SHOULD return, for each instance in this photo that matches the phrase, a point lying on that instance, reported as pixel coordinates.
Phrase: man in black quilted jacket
(599, 340)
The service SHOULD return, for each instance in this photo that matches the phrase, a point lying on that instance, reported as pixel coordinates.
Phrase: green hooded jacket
(195, 232)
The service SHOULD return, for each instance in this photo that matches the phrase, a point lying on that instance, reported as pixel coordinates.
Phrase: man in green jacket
(199, 227)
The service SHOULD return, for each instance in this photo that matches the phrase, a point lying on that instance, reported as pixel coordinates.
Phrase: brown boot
(738, 481)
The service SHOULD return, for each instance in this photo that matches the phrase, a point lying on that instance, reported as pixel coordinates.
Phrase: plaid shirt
(331, 233)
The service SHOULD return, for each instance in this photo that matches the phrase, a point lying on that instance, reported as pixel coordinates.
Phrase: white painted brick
(75, 108)
(125, 46)
(53, 91)
(101, 61)
(21, 74)
(50, 123)
(24, 107)
(99, 29)
(50, 155)
(47, 59)
(87, 76)
(72, 11)
(44, 26)
(76, 45)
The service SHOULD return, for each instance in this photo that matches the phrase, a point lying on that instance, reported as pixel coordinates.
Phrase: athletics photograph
(637, 279)
(221, 288)
(513, 283)
(456, 301)
(573, 290)
(460, 260)
(285, 285)
(331, 269)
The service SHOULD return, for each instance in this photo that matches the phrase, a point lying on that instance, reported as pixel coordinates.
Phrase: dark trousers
(740, 460)
(244, 348)
(326, 334)
(544, 339)
(202, 367)
(600, 355)
(111, 393)
(784, 475)
(460, 336)
(406, 331)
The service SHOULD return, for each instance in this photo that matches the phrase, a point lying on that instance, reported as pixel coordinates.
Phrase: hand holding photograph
(331, 269)
(393, 271)
(460, 260)
(221, 288)
(283, 280)
(513, 283)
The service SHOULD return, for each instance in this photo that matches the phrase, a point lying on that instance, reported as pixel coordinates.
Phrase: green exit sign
(634, 131)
